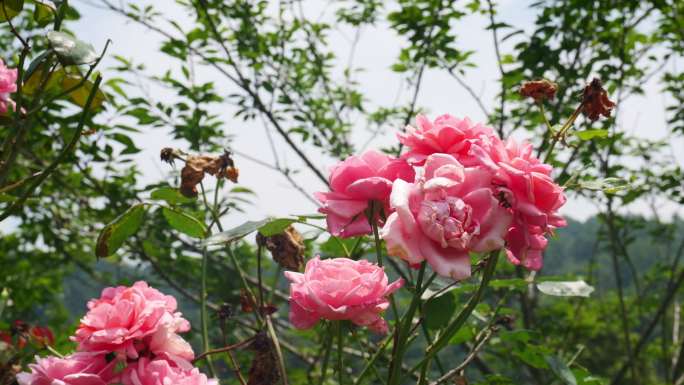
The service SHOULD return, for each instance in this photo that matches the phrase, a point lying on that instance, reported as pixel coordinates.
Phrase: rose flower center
(449, 222)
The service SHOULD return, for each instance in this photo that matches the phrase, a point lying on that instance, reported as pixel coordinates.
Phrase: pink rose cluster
(458, 189)
(128, 336)
(8, 85)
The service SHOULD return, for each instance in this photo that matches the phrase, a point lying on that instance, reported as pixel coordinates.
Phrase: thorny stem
(405, 330)
(462, 317)
(371, 362)
(562, 132)
(326, 357)
(203, 313)
(224, 349)
(378, 253)
(340, 338)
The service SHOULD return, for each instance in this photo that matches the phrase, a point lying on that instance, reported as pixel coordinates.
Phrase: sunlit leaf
(185, 223)
(276, 226)
(565, 288)
(116, 232)
(235, 233)
(43, 13)
(591, 134)
(10, 8)
(82, 89)
(170, 195)
(71, 50)
(561, 370)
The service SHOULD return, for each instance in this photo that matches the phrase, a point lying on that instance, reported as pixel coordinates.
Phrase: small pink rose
(353, 183)
(448, 213)
(127, 320)
(525, 245)
(447, 135)
(340, 289)
(82, 368)
(525, 185)
(8, 85)
(162, 372)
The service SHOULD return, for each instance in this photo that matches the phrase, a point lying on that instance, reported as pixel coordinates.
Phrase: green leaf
(43, 13)
(80, 94)
(607, 185)
(185, 223)
(71, 50)
(591, 134)
(10, 8)
(440, 309)
(235, 233)
(561, 370)
(511, 283)
(465, 334)
(335, 247)
(116, 232)
(276, 226)
(565, 288)
(170, 195)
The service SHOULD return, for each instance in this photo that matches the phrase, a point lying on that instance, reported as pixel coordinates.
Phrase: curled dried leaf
(539, 90)
(287, 248)
(595, 101)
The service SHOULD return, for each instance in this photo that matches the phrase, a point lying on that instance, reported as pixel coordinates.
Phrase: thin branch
(495, 37)
(469, 358)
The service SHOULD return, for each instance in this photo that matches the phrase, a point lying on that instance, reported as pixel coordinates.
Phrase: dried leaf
(287, 248)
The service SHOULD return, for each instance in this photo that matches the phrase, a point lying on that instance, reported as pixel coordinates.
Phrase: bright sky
(377, 50)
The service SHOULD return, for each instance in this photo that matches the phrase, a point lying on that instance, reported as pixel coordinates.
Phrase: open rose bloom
(82, 368)
(354, 183)
(446, 135)
(128, 320)
(129, 336)
(8, 85)
(340, 289)
(446, 214)
(526, 185)
(162, 372)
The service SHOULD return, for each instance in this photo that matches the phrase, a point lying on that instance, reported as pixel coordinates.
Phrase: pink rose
(525, 245)
(80, 368)
(444, 215)
(162, 372)
(128, 320)
(446, 134)
(8, 85)
(526, 186)
(356, 181)
(340, 289)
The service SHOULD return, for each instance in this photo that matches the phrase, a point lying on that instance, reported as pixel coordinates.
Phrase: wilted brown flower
(264, 369)
(196, 165)
(539, 90)
(287, 248)
(167, 155)
(595, 101)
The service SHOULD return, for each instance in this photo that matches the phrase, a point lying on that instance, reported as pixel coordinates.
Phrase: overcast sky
(377, 50)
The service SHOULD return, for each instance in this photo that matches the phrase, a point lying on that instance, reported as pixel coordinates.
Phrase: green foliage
(116, 232)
